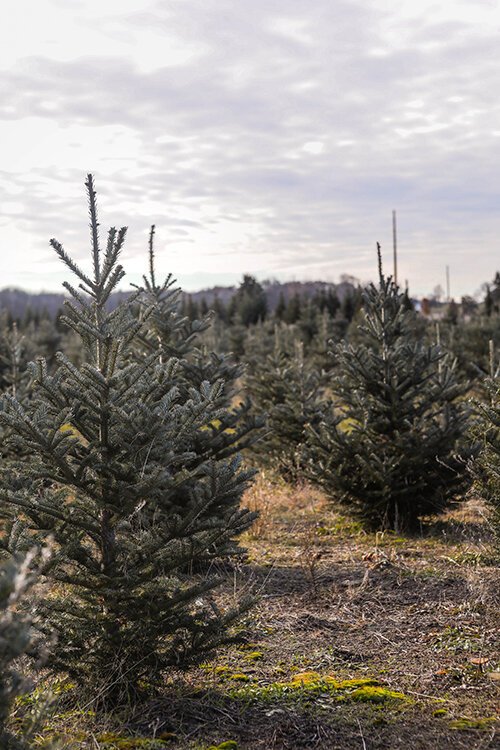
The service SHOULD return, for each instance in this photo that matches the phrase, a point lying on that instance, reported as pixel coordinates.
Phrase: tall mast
(395, 246)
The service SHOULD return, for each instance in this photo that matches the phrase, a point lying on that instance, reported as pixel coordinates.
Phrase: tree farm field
(357, 640)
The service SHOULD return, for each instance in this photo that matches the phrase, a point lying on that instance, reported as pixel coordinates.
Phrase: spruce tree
(13, 361)
(16, 578)
(249, 303)
(387, 445)
(287, 390)
(14, 642)
(485, 468)
(170, 334)
(115, 479)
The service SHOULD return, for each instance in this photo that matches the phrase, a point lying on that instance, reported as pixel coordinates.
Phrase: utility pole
(447, 283)
(395, 246)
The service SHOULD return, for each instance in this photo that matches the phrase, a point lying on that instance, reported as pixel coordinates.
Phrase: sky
(272, 137)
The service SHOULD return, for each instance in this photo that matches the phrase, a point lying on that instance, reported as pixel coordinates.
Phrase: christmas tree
(116, 480)
(285, 388)
(17, 575)
(485, 469)
(387, 445)
(171, 334)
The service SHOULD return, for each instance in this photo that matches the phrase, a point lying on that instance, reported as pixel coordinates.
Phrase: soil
(418, 616)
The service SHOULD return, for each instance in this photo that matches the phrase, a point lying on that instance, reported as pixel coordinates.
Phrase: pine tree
(14, 642)
(387, 445)
(287, 390)
(249, 303)
(13, 362)
(16, 578)
(293, 309)
(280, 310)
(170, 334)
(116, 480)
(485, 468)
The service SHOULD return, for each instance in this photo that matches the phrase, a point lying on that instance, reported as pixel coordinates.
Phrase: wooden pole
(395, 246)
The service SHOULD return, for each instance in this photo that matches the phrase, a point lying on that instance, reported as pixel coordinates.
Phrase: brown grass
(417, 614)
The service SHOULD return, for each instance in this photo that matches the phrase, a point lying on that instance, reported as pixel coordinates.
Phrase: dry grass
(418, 615)
(276, 501)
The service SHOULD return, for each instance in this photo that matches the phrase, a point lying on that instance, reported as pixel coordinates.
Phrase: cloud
(269, 138)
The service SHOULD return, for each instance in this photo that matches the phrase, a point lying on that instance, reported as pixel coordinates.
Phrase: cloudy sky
(273, 137)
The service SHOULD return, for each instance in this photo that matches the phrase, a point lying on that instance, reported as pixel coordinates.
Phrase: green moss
(254, 655)
(463, 723)
(341, 526)
(362, 682)
(373, 694)
(305, 686)
(239, 677)
(227, 745)
(306, 678)
(116, 742)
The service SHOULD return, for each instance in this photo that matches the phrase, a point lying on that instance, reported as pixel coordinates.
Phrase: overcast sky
(271, 137)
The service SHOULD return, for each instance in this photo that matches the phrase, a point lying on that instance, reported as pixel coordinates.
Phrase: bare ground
(419, 617)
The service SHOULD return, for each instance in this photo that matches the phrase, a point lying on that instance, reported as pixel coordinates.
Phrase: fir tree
(280, 310)
(116, 480)
(488, 302)
(16, 578)
(169, 334)
(293, 309)
(485, 469)
(287, 390)
(14, 642)
(13, 361)
(387, 445)
(249, 304)
(219, 310)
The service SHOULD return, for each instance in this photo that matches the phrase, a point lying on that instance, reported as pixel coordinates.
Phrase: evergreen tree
(470, 344)
(13, 361)
(332, 302)
(485, 469)
(203, 307)
(348, 307)
(387, 445)
(280, 310)
(116, 480)
(287, 390)
(488, 302)
(308, 323)
(191, 309)
(293, 309)
(219, 309)
(14, 642)
(16, 578)
(169, 334)
(249, 304)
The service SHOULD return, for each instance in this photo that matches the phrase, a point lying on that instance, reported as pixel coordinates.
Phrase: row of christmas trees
(126, 466)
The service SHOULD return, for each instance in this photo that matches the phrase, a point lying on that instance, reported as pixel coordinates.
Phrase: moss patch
(117, 742)
(464, 724)
(307, 685)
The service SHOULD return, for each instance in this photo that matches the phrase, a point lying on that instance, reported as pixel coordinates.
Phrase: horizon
(441, 297)
(275, 139)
